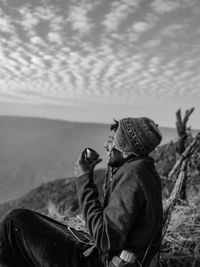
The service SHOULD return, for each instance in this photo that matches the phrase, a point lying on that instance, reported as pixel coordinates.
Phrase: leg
(30, 239)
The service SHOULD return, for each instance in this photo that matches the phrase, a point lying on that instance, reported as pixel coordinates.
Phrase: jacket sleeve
(110, 226)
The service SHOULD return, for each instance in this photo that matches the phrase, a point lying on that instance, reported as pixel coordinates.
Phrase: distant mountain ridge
(61, 192)
(36, 150)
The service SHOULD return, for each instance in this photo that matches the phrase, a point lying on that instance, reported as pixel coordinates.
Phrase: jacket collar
(131, 158)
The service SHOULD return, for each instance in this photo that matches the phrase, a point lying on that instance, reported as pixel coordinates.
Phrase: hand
(86, 162)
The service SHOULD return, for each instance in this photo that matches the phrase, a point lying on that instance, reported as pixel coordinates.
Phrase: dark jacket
(132, 217)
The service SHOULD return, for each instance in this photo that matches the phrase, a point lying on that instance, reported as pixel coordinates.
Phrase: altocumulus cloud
(130, 51)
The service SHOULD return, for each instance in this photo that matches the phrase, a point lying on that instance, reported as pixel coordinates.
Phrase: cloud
(194, 4)
(5, 23)
(172, 30)
(154, 65)
(79, 19)
(38, 62)
(165, 6)
(120, 10)
(57, 23)
(54, 37)
(45, 12)
(33, 18)
(140, 27)
(151, 44)
(190, 63)
(37, 40)
(28, 19)
(4, 2)
(43, 59)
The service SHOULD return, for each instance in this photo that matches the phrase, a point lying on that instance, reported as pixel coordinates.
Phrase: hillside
(61, 192)
(180, 245)
(36, 151)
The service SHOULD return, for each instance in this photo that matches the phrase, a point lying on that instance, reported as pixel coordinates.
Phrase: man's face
(116, 158)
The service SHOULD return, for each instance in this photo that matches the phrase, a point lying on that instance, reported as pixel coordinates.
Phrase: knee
(17, 215)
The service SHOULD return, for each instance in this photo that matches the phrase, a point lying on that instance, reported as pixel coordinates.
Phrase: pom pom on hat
(139, 136)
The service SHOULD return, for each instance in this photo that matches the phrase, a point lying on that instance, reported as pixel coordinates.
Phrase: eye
(109, 144)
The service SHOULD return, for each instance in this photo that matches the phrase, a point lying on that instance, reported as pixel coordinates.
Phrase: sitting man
(128, 227)
(125, 230)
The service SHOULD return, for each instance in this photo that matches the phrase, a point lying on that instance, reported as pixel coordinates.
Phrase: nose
(109, 145)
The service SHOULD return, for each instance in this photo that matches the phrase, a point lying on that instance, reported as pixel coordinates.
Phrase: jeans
(31, 239)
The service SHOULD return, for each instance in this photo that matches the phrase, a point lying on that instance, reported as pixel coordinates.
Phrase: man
(125, 230)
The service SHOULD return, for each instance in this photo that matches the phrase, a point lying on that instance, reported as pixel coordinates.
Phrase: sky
(95, 60)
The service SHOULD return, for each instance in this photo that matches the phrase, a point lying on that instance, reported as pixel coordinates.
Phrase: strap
(146, 252)
(149, 246)
(72, 231)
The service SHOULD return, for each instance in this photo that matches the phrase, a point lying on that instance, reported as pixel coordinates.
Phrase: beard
(115, 161)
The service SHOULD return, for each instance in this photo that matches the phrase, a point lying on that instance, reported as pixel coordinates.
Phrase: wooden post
(179, 171)
(182, 130)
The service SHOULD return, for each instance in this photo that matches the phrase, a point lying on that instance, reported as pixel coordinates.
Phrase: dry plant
(76, 222)
(181, 224)
(181, 243)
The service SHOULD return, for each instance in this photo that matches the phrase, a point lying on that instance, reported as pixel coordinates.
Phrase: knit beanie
(137, 136)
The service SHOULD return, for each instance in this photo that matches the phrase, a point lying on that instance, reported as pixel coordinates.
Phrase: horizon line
(73, 121)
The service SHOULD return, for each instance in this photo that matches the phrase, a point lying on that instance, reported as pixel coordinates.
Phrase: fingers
(95, 162)
(82, 156)
(88, 154)
(86, 163)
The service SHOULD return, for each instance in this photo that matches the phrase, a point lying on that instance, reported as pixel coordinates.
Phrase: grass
(74, 221)
(181, 243)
